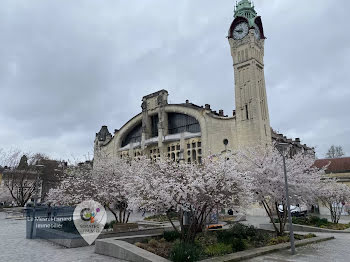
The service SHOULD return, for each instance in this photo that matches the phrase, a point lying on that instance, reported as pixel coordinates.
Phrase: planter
(125, 227)
(123, 248)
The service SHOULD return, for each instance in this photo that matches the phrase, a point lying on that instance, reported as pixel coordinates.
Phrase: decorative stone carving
(144, 106)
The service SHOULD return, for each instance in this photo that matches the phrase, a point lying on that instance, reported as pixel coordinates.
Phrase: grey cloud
(68, 67)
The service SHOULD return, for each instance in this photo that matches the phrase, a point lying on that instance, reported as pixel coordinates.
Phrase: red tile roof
(337, 165)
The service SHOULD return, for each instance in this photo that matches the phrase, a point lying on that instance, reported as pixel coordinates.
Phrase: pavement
(14, 247)
(256, 221)
(336, 250)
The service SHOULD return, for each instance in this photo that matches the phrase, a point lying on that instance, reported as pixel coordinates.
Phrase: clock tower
(246, 38)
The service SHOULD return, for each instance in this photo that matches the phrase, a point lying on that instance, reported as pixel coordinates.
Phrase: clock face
(257, 32)
(240, 31)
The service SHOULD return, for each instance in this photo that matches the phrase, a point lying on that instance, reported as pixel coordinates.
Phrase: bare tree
(21, 174)
(21, 181)
(9, 158)
(21, 185)
(335, 152)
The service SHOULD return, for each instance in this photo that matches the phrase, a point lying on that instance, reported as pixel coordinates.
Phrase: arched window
(133, 136)
(194, 155)
(178, 123)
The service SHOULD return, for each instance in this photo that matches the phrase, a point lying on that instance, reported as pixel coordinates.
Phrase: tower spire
(252, 116)
(245, 8)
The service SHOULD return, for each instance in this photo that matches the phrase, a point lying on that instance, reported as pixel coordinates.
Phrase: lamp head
(282, 147)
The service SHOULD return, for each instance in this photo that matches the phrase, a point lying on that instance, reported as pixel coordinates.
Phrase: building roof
(102, 135)
(336, 165)
(283, 139)
(245, 9)
(155, 94)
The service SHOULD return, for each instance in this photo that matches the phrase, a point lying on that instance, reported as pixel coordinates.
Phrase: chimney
(187, 101)
(207, 106)
(297, 140)
(234, 112)
(221, 112)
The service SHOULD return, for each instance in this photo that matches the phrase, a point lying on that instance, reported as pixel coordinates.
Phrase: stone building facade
(188, 132)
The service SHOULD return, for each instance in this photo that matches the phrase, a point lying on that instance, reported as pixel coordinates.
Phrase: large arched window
(178, 123)
(133, 136)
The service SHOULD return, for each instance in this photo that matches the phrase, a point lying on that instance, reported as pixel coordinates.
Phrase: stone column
(131, 150)
(162, 124)
(182, 148)
(146, 124)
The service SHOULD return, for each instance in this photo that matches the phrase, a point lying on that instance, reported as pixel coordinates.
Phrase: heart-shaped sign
(89, 218)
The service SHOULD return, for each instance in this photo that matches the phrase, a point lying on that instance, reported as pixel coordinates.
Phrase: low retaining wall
(302, 228)
(243, 255)
(61, 238)
(119, 228)
(124, 248)
(70, 240)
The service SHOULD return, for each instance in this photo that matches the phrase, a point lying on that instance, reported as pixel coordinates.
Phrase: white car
(298, 210)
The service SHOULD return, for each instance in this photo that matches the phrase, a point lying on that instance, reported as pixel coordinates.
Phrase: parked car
(296, 211)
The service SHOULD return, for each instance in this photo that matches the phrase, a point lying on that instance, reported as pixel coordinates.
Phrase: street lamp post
(225, 142)
(36, 196)
(186, 217)
(282, 151)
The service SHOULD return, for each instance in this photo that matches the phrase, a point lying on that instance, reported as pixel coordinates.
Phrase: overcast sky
(68, 67)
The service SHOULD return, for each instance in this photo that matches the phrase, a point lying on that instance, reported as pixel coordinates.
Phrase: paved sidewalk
(256, 221)
(337, 250)
(14, 247)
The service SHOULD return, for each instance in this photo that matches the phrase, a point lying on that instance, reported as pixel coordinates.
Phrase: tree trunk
(124, 213)
(180, 215)
(270, 214)
(127, 219)
(171, 222)
(114, 213)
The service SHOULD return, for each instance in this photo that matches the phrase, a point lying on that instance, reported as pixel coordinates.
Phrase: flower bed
(213, 243)
(319, 222)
